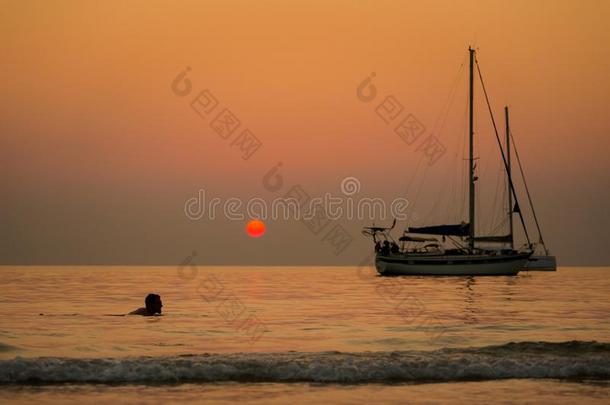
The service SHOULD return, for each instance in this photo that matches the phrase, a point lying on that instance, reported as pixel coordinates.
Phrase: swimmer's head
(153, 303)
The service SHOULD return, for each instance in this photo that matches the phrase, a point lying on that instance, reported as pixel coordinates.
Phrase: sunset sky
(98, 154)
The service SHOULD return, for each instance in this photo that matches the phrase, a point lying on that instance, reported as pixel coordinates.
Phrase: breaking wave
(569, 360)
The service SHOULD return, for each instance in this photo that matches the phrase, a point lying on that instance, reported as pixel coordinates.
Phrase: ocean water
(302, 334)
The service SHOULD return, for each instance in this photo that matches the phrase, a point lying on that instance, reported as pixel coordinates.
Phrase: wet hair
(150, 301)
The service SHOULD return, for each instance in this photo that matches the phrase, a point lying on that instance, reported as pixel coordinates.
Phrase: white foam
(514, 360)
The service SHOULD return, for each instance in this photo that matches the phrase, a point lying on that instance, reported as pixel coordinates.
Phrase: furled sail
(462, 229)
(407, 238)
(497, 239)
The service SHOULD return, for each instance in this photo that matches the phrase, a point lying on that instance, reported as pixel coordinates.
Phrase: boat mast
(471, 154)
(510, 181)
(508, 173)
(529, 197)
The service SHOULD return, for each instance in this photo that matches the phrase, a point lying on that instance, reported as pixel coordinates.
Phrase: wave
(567, 360)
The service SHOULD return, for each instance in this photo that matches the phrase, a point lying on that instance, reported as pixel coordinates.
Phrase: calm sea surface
(302, 334)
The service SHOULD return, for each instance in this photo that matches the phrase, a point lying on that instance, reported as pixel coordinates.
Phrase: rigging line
(414, 176)
(447, 105)
(441, 118)
(464, 168)
(458, 177)
(527, 191)
(419, 185)
(478, 208)
(494, 206)
(493, 121)
(460, 208)
(450, 181)
(438, 128)
(452, 201)
(504, 206)
(431, 214)
(455, 179)
(450, 99)
(498, 208)
(413, 202)
(500, 225)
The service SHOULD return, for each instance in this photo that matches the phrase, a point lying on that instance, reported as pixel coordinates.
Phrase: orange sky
(98, 154)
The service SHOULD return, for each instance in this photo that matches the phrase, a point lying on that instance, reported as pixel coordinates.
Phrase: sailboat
(428, 256)
(540, 262)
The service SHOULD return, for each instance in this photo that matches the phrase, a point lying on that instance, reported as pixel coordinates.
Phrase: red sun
(255, 228)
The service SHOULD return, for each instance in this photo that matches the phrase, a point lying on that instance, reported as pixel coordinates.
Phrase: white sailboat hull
(466, 265)
(541, 263)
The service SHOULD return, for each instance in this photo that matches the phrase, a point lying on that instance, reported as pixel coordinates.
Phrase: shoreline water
(324, 327)
(523, 360)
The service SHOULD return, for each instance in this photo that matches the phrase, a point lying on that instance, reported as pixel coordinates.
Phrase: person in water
(153, 306)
